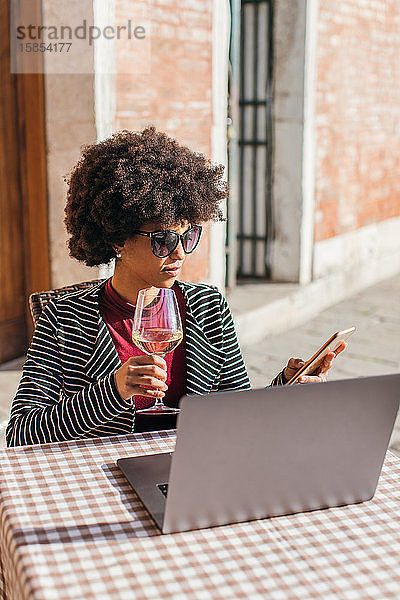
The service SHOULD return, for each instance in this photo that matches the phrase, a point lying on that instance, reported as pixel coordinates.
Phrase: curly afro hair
(131, 178)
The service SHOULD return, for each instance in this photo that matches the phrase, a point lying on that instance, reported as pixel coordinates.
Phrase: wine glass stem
(159, 401)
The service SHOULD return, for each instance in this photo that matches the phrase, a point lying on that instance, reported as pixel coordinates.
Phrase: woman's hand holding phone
(315, 369)
(319, 375)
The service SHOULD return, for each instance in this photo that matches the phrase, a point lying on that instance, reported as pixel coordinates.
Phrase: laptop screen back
(248, 455)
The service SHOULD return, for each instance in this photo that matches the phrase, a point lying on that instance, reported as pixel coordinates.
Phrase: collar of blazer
(200, 352)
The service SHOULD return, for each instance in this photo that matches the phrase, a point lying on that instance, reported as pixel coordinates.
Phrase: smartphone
(329, 346)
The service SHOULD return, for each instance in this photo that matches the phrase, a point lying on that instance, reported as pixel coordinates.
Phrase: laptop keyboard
(163, 487)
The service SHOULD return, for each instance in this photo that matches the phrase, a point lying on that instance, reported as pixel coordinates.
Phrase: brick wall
(175, 92)
(357, 115)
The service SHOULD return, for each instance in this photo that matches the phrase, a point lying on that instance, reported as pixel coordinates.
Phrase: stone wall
(70, 123)
(336, 116)
(357, 115)
(175, 92)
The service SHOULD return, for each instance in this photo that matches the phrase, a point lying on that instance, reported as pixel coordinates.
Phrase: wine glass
(157, 329)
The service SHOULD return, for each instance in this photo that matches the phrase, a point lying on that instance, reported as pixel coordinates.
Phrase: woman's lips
(173, 271)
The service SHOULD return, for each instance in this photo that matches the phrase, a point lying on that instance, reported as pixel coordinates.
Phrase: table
(71, 527)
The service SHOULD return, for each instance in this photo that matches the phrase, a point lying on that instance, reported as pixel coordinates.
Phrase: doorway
(251, 90)
(24, 262)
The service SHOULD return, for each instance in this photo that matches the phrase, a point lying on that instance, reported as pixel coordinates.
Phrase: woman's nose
(179, 252)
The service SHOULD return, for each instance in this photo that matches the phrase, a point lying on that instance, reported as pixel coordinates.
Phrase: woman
(139, 198)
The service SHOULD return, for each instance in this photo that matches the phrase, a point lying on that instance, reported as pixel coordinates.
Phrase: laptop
(262, 453)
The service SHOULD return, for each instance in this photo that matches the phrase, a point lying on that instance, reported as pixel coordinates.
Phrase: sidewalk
(373, 350)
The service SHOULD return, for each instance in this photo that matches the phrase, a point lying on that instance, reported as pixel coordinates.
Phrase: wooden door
(24, 264)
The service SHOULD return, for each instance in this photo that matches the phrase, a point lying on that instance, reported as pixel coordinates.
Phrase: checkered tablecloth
(71, 527)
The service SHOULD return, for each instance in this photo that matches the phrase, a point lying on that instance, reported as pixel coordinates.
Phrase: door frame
(29, 116)
(33, 183)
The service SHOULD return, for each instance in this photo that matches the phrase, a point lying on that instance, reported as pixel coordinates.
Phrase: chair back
(38, 300)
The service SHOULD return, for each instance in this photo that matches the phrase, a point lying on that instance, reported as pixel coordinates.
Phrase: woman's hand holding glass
(142, 376)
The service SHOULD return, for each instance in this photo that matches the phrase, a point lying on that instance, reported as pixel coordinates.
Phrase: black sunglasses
(163, 243)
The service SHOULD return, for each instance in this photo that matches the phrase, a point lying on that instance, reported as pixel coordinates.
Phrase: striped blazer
(67, 390)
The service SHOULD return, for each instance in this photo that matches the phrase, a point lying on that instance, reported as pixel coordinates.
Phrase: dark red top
(118, 316)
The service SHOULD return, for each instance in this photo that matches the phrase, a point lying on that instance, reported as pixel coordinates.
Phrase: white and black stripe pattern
(67, 390)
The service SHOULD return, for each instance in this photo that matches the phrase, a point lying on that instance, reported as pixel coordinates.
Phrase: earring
(117, 253)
